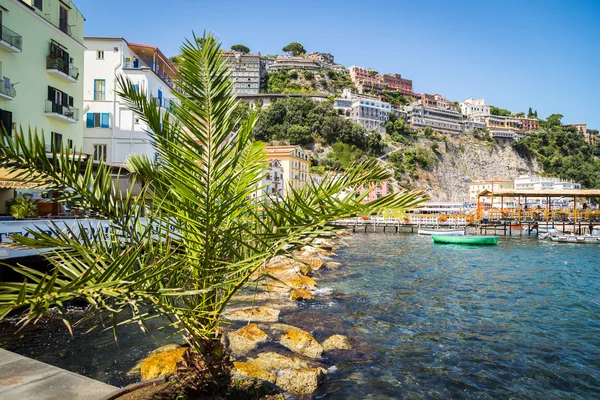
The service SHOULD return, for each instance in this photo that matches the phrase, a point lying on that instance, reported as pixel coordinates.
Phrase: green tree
(190, 235)
(295, 49)
(309, 75)
(428, 131)
(530, 113)
(554, 120)
(500, 111)
(241, 48)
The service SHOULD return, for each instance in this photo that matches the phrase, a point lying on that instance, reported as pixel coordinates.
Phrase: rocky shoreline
(263, 347)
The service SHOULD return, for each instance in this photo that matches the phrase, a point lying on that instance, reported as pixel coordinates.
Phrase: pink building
(376, 191)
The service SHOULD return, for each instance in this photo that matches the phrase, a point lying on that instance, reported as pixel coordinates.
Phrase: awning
(9, 180)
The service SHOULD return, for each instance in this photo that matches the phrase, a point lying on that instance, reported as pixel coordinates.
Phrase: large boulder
(336, 342)
(246, 339)
(313, 261)
(274, 362)
(301, 342)
(258, 314)
(254, 371)
(162, 363)
(333, 264)
(302, 381)
(301, 294)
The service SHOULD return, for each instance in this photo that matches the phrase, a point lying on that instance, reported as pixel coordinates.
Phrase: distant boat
(440, 231)
(582, 239)
(470, 240)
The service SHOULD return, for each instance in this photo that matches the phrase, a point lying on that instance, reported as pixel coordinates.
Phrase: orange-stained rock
(161, 364)
(254, 371)
(301, 342)
(301, 294)
(300, 381)
(245, 339)
(337, 342)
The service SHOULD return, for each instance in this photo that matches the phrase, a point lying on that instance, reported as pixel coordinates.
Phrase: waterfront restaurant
(577, 211)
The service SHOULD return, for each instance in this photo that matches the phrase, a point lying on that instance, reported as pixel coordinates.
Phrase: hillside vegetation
(323, 81)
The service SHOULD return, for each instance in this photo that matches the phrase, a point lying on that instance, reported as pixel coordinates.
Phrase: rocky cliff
(461, 160)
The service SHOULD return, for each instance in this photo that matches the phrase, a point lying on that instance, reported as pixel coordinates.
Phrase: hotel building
(479, 186)
(436, 112)
(295, 163)
(112, 131)
(365, 79)
(246, 71)
(369, 112)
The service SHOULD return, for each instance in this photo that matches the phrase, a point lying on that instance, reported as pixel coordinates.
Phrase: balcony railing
(64, 112)
(65, 67)
(7, 90)
(163, 102)
(12, 38)
(130, 63)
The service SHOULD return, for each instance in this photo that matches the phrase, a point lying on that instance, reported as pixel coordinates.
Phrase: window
(56, 141)
(6, 121)
(38, 4)
(70, 143)
(98, 120)
(99, 89)
(99, 152)
(63, 23)
(100, 54)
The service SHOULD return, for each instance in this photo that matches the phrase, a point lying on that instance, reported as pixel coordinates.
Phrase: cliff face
(466, 159)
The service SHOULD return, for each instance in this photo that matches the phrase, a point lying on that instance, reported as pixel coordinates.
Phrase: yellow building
(41, 69)
(295, 163)
(41, 73)
(477, 187)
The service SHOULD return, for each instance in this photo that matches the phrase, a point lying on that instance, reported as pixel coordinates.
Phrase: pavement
(23, 378)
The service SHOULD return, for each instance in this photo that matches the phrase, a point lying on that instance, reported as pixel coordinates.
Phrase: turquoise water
(518, 320)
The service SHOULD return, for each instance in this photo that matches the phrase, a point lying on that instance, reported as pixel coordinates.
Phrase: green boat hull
(470, 240)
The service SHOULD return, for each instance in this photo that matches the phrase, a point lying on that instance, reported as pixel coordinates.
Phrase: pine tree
(530, 113)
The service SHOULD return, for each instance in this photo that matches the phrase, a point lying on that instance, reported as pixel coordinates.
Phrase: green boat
(471, 240)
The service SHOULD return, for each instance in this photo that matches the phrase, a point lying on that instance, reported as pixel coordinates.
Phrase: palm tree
(184, 236)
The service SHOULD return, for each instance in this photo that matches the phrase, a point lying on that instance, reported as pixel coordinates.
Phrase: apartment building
(436, 112)
(369, 112)
(294, 62)
(247, 71)
(323, 58)
(272, 185)
(529, 124)
(365, 79)
(295, 163)
(41, 66)
(376, 191)
(112, 131)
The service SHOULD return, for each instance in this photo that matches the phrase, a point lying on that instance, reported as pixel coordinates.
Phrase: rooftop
(541, 193)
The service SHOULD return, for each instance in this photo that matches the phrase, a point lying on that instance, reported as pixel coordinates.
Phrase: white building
(436, 112)
(471, 107)
(369, 112)
(111, 130)
(527, 182)
(246, 71)
(271, 186)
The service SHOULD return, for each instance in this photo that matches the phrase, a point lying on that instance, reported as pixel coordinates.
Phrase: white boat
(583, 239)
(440, 231)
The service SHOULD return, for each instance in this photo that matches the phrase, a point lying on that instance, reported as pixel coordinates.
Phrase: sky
(514, 54)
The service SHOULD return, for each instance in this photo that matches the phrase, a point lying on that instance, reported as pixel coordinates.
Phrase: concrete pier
(23, 378)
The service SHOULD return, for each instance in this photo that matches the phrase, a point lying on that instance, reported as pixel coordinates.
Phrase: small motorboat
(441, 231)
(469, 240)
(583, 239)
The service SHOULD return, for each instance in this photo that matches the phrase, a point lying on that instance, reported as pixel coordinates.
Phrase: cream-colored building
(295, 163)
(479, 186)
(41, 75)
(41, 69)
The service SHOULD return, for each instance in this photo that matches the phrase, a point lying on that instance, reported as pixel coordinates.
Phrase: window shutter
(70, 101)
(105, 120)
(51, 93)
(6, 121)
(65, 99)
(90, 120)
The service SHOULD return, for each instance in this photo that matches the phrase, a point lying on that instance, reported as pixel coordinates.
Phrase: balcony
(10, 41)
(134, 63)
(164, 102)
(7, 90)
(63, 113)
(62, 69)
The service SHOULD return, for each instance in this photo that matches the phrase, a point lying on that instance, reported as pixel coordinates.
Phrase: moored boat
(583, 239)
(440, 231)
(470, 240)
